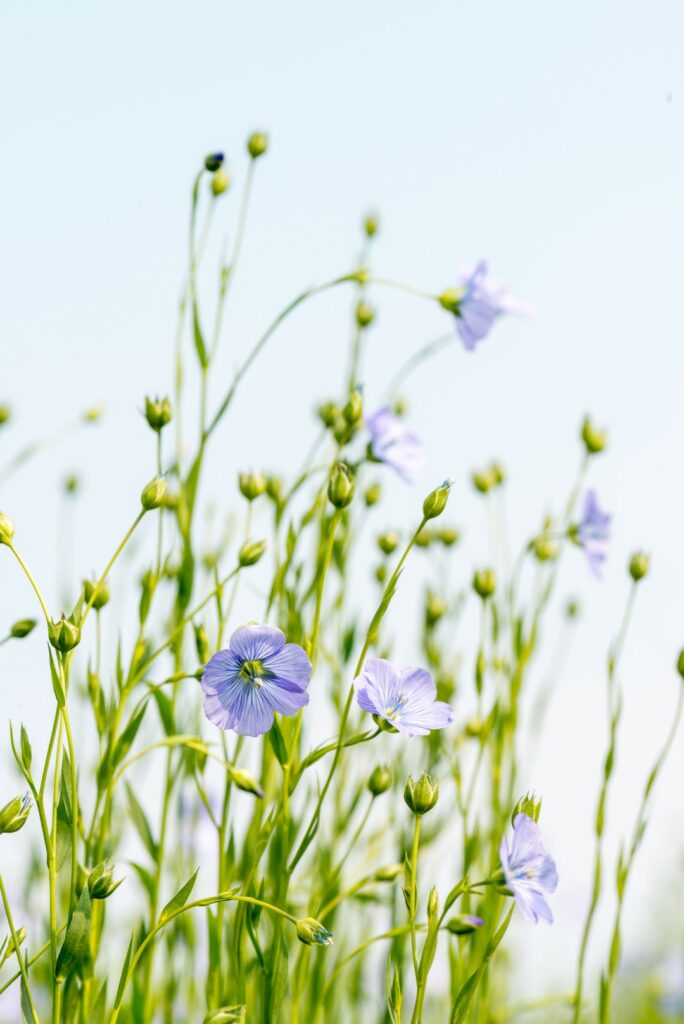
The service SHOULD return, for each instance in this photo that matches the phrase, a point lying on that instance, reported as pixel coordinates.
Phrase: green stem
(21, 959)
(414, 895)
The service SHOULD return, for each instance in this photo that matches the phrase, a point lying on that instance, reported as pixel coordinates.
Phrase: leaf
(124, 974)
(145, 877)
(165, 708)
(26, 753)
(56, 681)
(200, 346)
(125, 740)
(278, 742)
(180, 899)
(76, 941)
(141, 823)
(27, 1014)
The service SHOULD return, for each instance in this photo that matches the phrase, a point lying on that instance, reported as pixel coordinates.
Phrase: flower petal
(256, 642)
(291, 662)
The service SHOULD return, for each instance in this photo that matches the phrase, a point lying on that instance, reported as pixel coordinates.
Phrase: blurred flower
(592, 532)
(477, 302)
(404, 698)
(256, 675)
(393, 444)
(529, 871)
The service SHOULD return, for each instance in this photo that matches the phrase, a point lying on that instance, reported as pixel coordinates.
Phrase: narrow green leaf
(76, 941)
(180, 899)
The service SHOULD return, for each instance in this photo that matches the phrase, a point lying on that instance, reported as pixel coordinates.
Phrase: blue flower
(478, 302)
(404, 698)
(529, 871)
(255, 676)
(592, 532)
(393, 444)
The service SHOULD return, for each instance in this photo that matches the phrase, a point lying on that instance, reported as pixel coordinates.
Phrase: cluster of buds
(344, 421)
(486, 480)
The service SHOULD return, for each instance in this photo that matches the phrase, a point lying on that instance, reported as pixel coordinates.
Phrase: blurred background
(547, 138)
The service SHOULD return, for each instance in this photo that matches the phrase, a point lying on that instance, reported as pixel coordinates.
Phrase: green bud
(213, 162)
(6, 529)
(544, 548)
(372, 495)
(5, 413)
(680, 663)
(93, 414)
(424, 538)
(274, 488)
(64, 634)
(246, 782)
(22, 628)
(448, 536)
(639, 565)
(530, 804)
(14, 814)
(435, 503)
(389, 874)
(380, 779)
(257, 144)
(388, 542)
(497, 473)
(9, 950)
(101, 883)
(341, 485)
(252, 485)
(421, 796)
(371, 225)
(312, 933)
(381, 573)
(484, 583)
(90, 587)
(400, 406)
(463, 924)
(170, 501)
(435, 609)
(71, 484)
(329, 413)
(572, 609)
(220, 182)
(153, 494)
(157, 412)
(251, 551)
(201, 642)
(365, 315)
(595, 440)
(483, 481)
(433, 905)
(353, 410)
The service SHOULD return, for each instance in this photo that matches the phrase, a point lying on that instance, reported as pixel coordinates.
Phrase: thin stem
(23, 965)
(414, 894)
(32, 581)
(103, 578)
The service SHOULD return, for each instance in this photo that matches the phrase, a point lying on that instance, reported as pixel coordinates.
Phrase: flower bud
(101, 593)
(380, 779)
(484, 583)
(14, 814)
(365, 315)
(9, 949)
(341, 486)
(372, 495)
(389, 874)
(312, 933)
(680, 663)
(639, 565)
(421, 796)
(343, 431)
(64, 634)
(213, 162)
(157, 412)
(5, 413)
(594, 439)
(463, 924)
(329, 413)
(257, 144)
(22, 628)
(483, 481)
(424, 538)
(6, 529)
(220, 182)
(448, 536)
(451, 300)
(433, 905)
(381, 573)
(388, 542)
(435, 609)
(201, 642)
(274, 488)
(252, 485)
(435, 503)
(530, 804)
(72, 484)
(353, 410)
(251, 551)
(544, 548)
(153, 495)
(101, 883)
(572, 609)
(498, 474)
(370, 225)
(246, 782)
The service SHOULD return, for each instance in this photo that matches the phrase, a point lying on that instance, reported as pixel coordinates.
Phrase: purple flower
(405, 698)
(392, 443)
(478, 302)
(255, 676)
(529, 871)
(592, 532)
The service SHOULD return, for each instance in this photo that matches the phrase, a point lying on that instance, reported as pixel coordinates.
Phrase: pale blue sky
(547, 137)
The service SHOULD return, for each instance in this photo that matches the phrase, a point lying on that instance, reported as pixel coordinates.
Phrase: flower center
(393, 711)
(253, 672)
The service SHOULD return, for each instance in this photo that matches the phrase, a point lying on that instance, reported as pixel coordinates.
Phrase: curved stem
(103, 578)
(32, 581)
